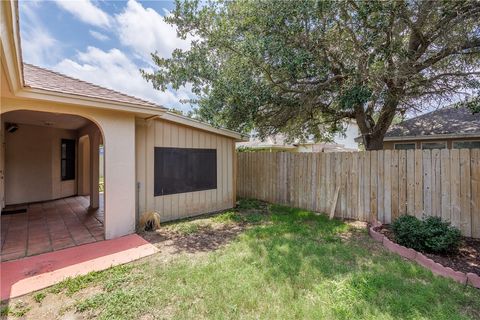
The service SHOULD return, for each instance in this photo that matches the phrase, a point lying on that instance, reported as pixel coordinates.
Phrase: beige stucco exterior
(33, 154)
(118, 130)
(129, 133)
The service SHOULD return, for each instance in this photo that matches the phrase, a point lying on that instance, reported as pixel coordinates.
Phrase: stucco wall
(118, 129)
(83, 165)
(160, 133)
(32, 165)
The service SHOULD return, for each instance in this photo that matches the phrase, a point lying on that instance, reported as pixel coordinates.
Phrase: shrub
(440, 237)
(431, 235)
(408, 232)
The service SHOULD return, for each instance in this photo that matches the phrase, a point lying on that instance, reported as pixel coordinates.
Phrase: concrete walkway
(30, 274)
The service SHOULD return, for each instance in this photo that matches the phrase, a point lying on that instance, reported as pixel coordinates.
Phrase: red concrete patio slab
(49, 226)
(30, 274)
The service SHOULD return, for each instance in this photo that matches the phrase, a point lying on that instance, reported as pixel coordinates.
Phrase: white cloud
(145, 31)
(98, 35)
(38, 45)
(114, 70)
(86, 11)
(140, 30)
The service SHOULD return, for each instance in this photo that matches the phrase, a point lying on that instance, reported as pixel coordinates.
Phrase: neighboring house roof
(40, 78)
(448, 121)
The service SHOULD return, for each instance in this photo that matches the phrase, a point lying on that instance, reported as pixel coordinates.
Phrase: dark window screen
(179, 170)
(68, 159)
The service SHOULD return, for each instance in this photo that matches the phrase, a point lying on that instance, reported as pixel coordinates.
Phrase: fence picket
(373, 184)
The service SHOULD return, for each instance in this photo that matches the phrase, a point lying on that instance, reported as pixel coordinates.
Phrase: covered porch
(49, 226)
(52, 166)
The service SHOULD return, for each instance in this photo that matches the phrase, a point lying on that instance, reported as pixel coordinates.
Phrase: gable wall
(161, 133)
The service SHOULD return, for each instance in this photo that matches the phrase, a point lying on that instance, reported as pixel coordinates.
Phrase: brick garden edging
(412, 255)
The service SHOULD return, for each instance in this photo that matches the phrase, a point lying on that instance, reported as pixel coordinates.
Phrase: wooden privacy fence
(372, 185)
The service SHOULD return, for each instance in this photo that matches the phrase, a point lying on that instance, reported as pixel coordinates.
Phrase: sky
(103, 42)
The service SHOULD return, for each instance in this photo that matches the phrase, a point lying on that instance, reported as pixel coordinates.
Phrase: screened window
(404, 146)
(434, 145)
(68, 159)
(179, 170)
(466, 144)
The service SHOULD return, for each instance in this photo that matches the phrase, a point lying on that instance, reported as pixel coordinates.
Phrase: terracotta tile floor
(50, 226)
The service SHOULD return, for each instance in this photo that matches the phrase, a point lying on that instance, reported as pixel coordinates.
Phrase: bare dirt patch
(206, 238)
(466, 259)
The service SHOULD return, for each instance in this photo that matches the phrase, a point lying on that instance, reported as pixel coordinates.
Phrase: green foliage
(226, 217)
(245, 204)
(473, 103)
(440, 237)
(4, 311)
(185, 227)
(38, 297)
(287, 269)
(431, 235)
(354, 96)
(408, 232)
(305, 67)
(74, 285)
(19, 310)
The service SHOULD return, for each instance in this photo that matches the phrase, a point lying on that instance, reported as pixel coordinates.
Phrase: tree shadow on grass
(308, 252)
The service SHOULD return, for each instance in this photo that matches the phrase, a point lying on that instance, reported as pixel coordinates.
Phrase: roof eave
(60, 97)
(10, 45)
(180, 119)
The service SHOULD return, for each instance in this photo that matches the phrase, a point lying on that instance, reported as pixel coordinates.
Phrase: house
(341, 142)
(55, 129)
(449, 127)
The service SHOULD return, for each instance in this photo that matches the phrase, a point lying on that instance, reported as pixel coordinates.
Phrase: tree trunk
(374, 142)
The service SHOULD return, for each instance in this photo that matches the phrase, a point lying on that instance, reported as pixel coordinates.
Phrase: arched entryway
(50, 189)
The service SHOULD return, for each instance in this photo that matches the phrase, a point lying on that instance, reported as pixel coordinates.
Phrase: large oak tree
(306, 67)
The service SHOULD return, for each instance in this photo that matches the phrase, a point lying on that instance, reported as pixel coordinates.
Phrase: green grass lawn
(288, 264)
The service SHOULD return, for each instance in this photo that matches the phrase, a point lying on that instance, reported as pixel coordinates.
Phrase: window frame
(69, 159)
(177, 170)
(441, 141)
(453, 143)
(398, 143)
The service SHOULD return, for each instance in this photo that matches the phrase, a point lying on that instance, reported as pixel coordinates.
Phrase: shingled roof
(40, 78)
(449, 120)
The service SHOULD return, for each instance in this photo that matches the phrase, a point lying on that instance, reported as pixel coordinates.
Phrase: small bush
(440, 237)
(431, 235)
(408, 232)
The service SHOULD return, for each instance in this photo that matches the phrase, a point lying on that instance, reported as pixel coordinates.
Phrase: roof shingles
(449, 120)
(40, 78)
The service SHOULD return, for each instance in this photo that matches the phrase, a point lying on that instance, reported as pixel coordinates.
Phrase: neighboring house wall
(33, 155)
(390, 145)
(348, 140)
(160, 133)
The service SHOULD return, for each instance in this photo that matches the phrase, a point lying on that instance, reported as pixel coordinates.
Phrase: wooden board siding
(373, 185)
(161, 133)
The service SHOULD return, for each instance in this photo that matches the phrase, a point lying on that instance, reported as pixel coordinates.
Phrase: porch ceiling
(46, 119)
